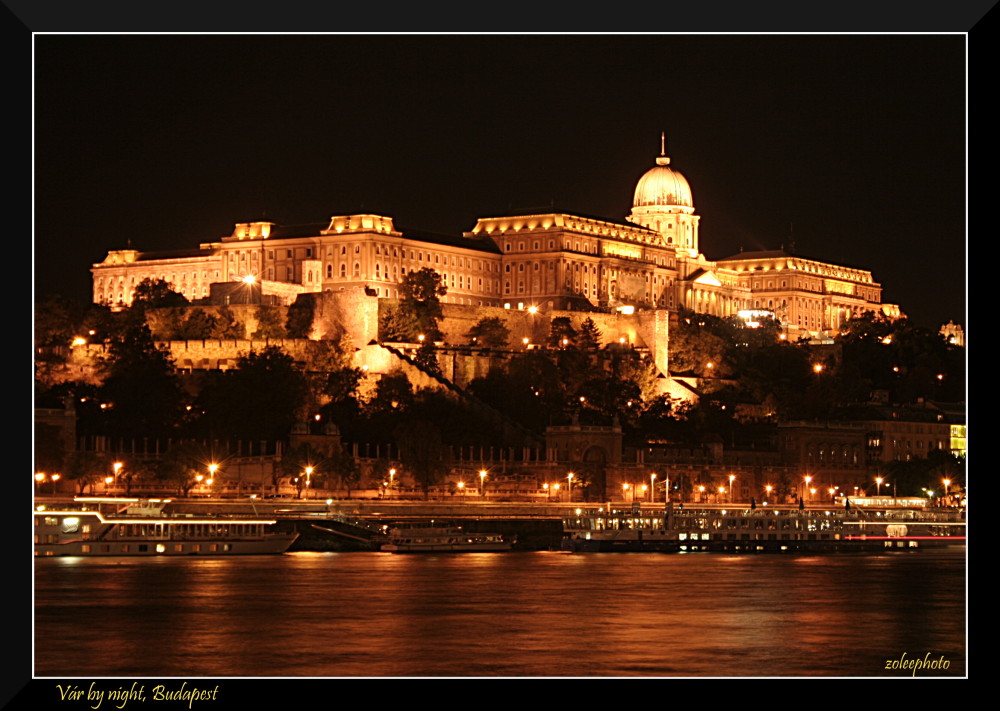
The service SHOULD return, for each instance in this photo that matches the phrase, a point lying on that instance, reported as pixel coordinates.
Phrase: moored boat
(144, 529)
(444, 540)
(763, 529)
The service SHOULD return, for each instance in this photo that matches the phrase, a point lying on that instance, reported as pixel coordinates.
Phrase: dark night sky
(854, 144)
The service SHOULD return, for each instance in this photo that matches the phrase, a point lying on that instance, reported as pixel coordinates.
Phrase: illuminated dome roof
(663, 185)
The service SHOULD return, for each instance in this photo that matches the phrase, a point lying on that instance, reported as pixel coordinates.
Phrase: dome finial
(662, 159)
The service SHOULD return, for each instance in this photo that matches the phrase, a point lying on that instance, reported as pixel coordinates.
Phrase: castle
(651, 260)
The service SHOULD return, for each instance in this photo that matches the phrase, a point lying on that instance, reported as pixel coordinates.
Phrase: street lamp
(732, 478)
(878, 486)
(947, 483)
(461, 487)
(117, 467)
(482, 482)
(55, 478)
(392, 475)
(808, 478)
(39, 479)
(652, 488)
(625, 492)
(569, 480)
(309, 471)
(767, 489)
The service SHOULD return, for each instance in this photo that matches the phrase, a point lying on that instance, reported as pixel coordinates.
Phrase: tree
(269, 323)
(422, 452)
(134, 471)
(420, 293)
(182, 464)
(295, 461)
(393, 392)
(258, 400)
(155, 294)
(199, 325)
(299, 322)
(697, 347)
(346, 468)
(227, 326)
(166, 323)
(395, 324)
(86, 468)
(489, 332)
(426, 358)
(56, 321)
(590, 335)
(561, 333)
(141, 391)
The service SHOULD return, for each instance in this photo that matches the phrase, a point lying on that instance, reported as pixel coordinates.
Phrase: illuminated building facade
(554, 260)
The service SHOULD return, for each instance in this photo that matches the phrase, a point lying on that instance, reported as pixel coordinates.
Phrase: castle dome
(664, 186)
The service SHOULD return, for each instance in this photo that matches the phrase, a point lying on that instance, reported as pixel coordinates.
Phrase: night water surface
(508, 614)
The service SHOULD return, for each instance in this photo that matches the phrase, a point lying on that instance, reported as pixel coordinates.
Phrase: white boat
(143, 529)
(441, 540)
(762, 529)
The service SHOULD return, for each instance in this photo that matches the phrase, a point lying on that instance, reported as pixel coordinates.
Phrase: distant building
(954, 334)
(551, 260)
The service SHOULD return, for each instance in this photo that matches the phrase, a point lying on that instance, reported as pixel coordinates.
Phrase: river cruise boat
(444, 540)
(142, 528)
(761, 529)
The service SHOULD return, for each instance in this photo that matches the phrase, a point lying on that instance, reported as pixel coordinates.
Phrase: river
(538, 614)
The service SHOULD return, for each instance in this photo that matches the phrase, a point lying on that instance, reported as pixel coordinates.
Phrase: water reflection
(519, 614)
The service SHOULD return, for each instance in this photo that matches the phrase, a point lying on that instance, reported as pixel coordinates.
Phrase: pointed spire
(662, 159)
